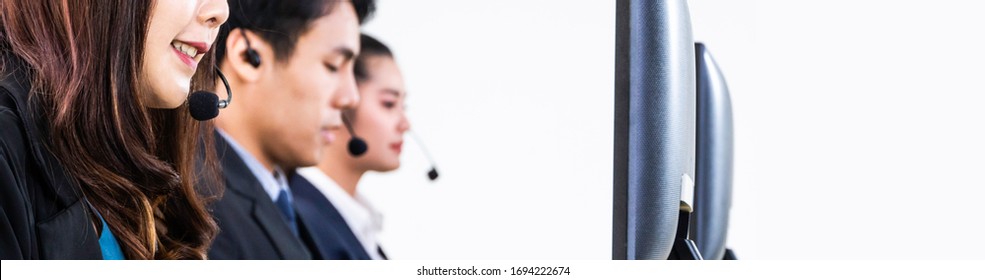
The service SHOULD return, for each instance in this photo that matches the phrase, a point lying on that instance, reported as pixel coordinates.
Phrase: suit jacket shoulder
(330, 236)
(250, 224)
(43, 213)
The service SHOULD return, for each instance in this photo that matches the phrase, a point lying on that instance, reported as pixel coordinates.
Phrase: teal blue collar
(108, 244)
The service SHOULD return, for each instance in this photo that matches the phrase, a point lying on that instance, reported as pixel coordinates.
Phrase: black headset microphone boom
(205, 105)
(357, 146)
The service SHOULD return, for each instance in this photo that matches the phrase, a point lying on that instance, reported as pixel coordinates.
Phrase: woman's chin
(389, 167)
(171, 101)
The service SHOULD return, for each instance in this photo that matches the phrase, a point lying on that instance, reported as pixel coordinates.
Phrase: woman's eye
(331, 67)
(389, 104)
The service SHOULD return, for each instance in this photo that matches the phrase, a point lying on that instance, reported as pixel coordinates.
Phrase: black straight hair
(281, 23)
(370, 47)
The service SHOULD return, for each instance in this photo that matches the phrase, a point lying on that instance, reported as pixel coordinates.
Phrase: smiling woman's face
(179, 34)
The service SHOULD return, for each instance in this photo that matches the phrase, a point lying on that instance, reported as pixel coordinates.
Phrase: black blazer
(43, 213)
(328, 236)
(250, 224)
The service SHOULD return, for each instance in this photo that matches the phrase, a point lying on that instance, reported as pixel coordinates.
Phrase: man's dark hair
(369, 47)
(281, 22)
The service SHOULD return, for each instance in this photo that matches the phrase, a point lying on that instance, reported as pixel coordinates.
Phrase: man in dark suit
(348, 224)
(290, 65)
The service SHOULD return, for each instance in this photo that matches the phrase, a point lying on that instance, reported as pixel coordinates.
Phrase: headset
(357, 146)
(251, 55)
(205, 105)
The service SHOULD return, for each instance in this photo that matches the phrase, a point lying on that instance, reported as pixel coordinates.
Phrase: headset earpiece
(251, 55)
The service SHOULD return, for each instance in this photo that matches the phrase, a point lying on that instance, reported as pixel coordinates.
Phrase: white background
(858, 128)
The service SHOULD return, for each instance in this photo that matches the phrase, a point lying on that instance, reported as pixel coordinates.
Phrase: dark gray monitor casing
(654, 145)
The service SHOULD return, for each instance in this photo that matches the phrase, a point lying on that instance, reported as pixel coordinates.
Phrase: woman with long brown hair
(97, 148)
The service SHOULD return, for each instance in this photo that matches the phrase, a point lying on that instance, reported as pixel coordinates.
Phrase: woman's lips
(186, 59)
(397, 147)
(189, 51)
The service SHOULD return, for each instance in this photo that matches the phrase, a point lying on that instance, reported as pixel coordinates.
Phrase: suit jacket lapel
(324, 222)
(239, 179)
(270, 219)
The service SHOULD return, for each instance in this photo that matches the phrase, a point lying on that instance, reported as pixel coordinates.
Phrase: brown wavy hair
(135, 165)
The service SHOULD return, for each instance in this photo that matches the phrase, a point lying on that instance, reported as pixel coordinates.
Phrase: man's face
(307, 92)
